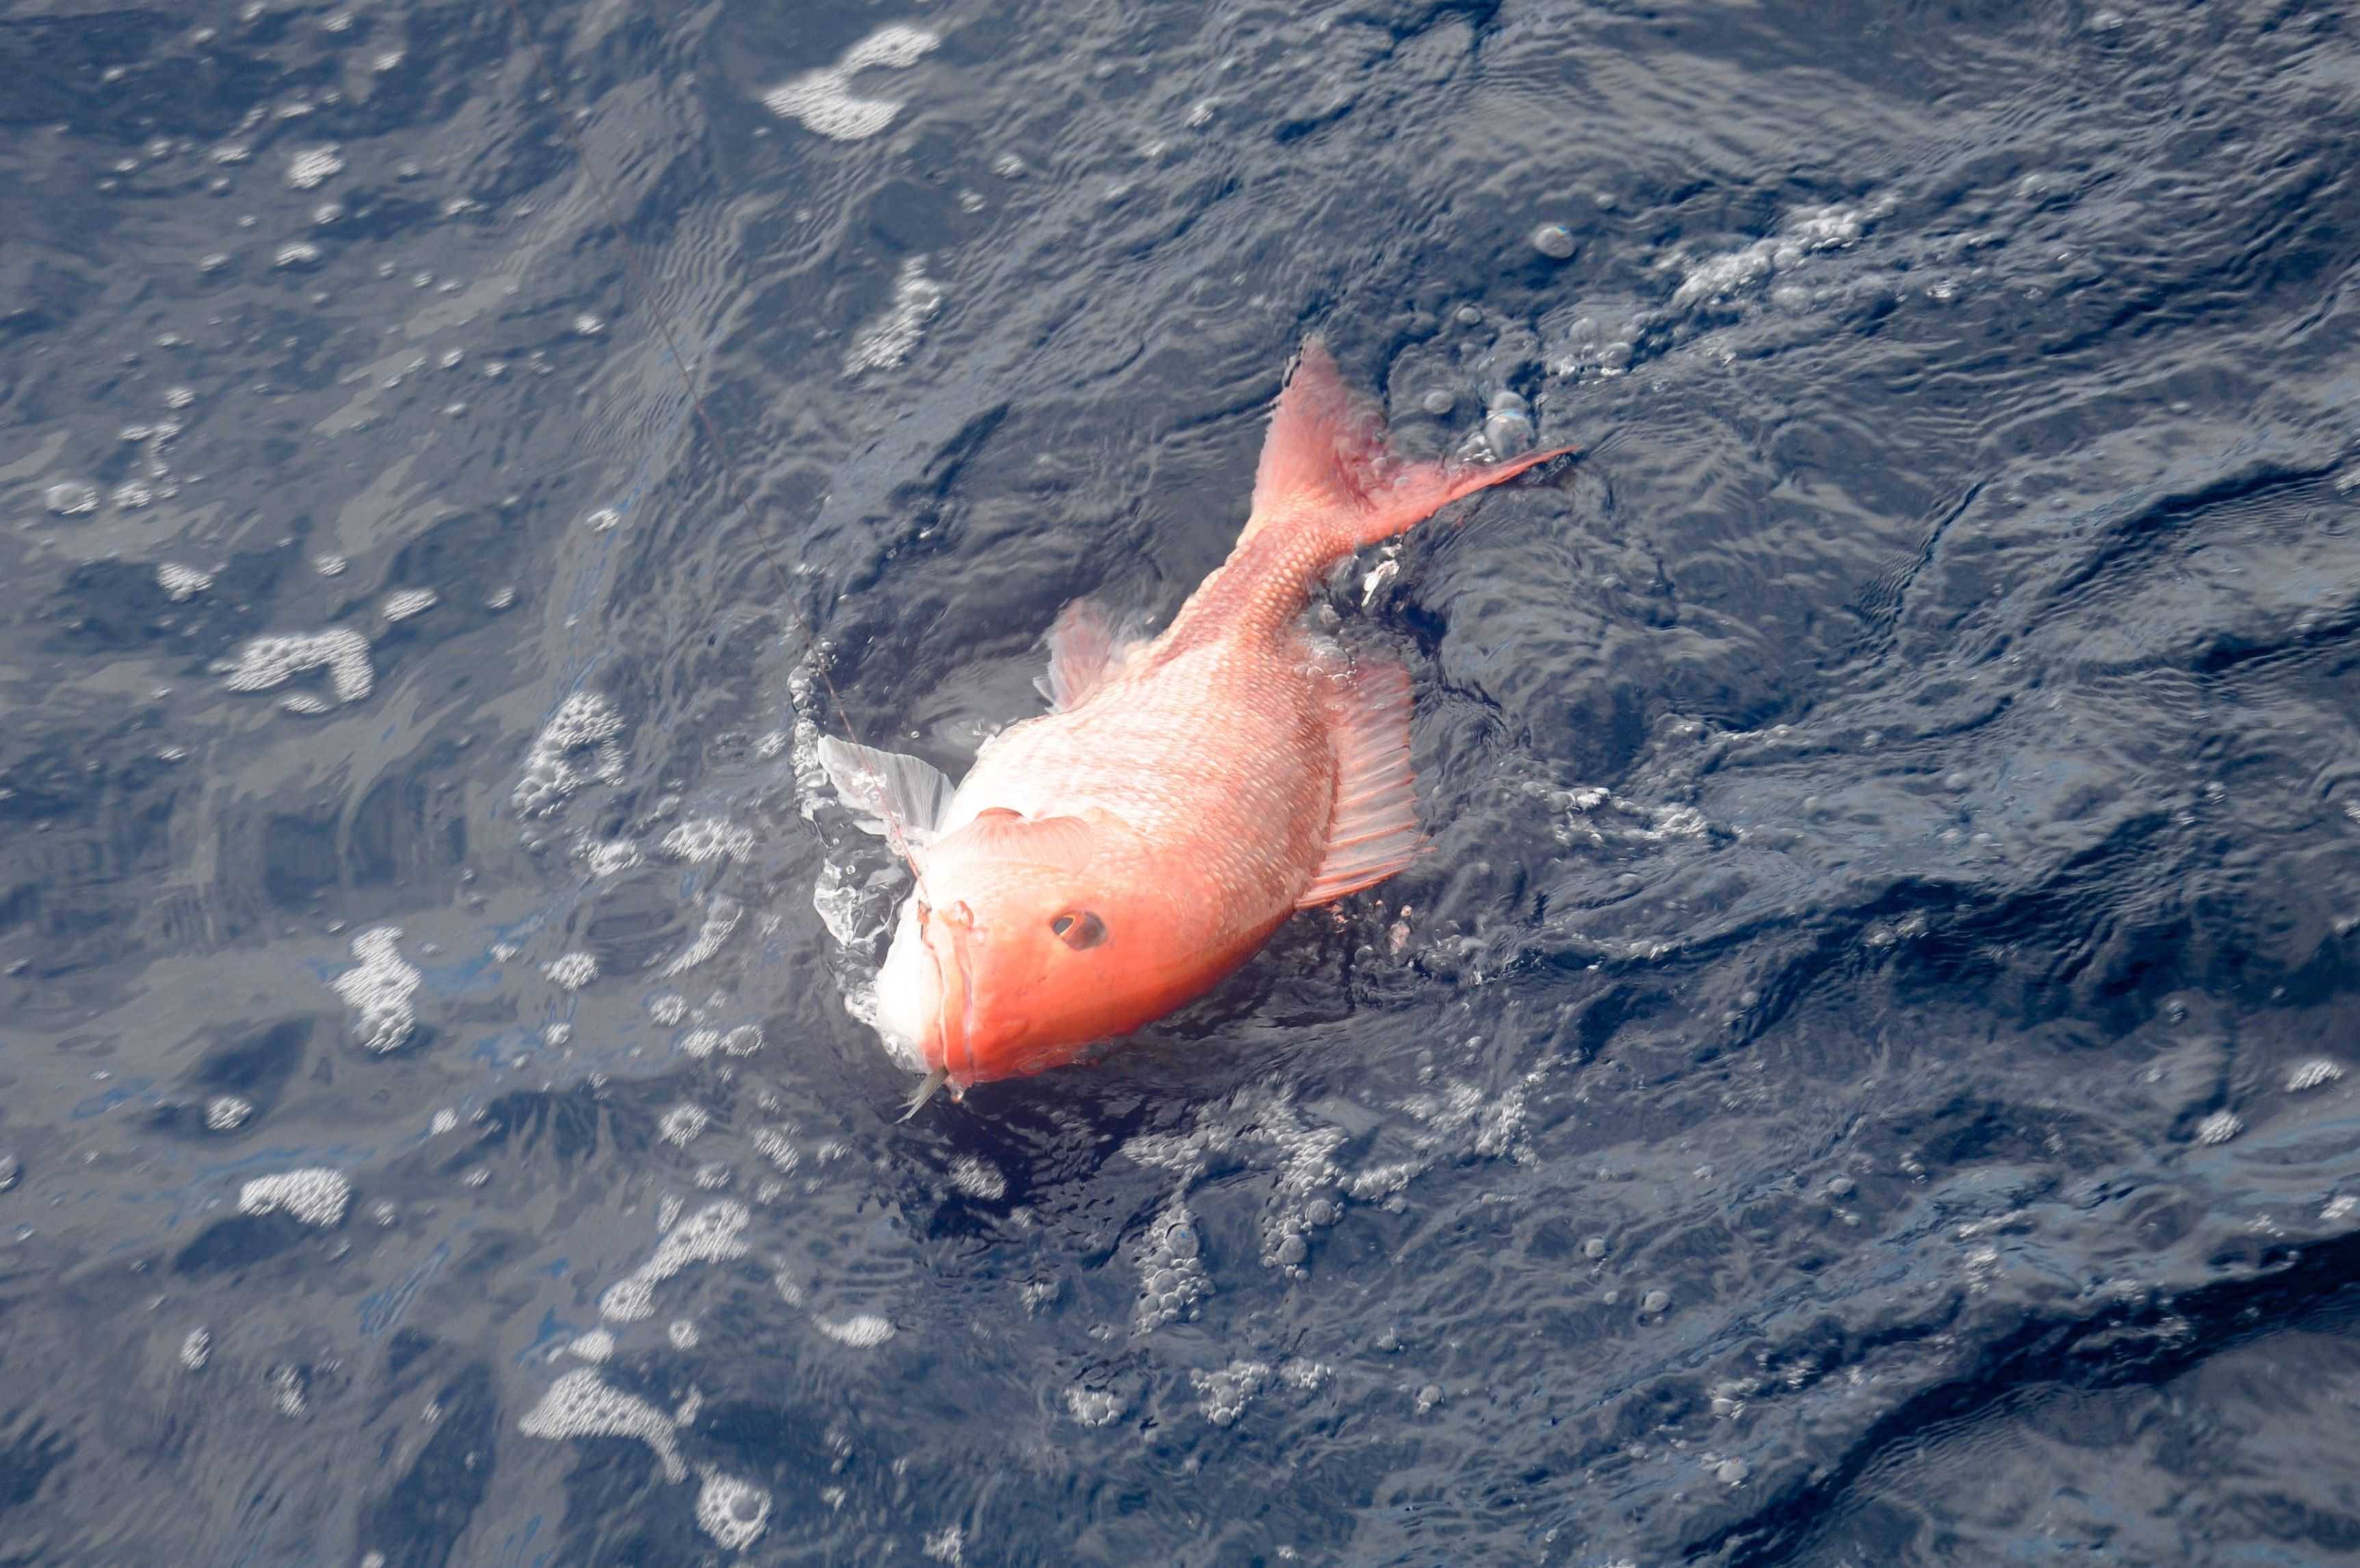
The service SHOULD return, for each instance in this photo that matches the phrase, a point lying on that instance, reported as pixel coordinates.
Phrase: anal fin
(1372, 828)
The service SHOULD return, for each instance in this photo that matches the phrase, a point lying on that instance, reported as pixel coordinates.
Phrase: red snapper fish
(1106, 861)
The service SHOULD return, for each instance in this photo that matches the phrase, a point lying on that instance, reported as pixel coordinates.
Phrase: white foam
(682, 1123)
(703, 838)
(1227, 1393)
(1092, 1407)
(71, 498)
(1171, 1277)
(773, 1144)
(2219, 1127)
(407, 603)
(582, 720)
(314, 1197)
(182, 583)
(2312, 1074)
(268, 661)
(977, 1178)
(714, 1233)
(571, 971)
(731, 1511)
(947, 1545)
(611, 857)
(720, 920)
(314, 166)
(1719, 276)
(887, 341)
(862, 1331)
(295, 252)
(597, 1345)
(379, 988)
(824, 100)
(227, 1113)
(197, 1349)
(579, 1405)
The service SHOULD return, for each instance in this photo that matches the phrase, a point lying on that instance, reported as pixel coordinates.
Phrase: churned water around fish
(1866, 1074)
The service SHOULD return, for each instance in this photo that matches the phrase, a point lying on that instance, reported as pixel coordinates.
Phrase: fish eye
(1079, 929)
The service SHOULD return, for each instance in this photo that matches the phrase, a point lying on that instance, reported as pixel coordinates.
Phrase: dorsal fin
(1372, 825)
(1086, 648)
(999, 834)
(1324, 463)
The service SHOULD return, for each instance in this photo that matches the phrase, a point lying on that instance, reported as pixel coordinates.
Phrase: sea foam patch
(268, 661)
(318, 1196)
(824, 101)
(580, 1405)
(714, 1233)
(584, 721)
(378, 989)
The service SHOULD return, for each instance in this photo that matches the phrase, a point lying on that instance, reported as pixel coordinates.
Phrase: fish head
(1012, 957)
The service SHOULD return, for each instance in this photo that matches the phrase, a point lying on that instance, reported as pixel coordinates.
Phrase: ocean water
(1867, 1075)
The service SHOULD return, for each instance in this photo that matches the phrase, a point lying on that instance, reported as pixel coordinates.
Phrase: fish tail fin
(1326, 470)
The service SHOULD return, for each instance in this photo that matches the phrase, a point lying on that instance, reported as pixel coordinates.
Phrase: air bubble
(1507, 433)
(1092, 1407)
(1554, 241)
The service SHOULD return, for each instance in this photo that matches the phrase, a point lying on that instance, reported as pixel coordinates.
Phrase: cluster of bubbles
(584, 721)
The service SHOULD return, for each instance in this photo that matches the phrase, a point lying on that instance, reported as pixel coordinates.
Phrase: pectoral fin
(1372, 828)
(1086, 647)
(877, 786)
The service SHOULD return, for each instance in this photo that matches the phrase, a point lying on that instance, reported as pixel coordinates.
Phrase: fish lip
(949, 937)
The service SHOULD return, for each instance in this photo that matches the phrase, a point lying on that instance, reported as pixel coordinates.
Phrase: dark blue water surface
(1866, 1076)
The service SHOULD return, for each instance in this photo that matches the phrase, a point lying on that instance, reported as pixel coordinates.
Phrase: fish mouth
(938, 1012)
(959, 1048)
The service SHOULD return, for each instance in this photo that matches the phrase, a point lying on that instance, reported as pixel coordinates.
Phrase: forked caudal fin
(1324, 468)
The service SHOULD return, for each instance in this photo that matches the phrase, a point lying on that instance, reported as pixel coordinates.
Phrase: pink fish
(1112, 859)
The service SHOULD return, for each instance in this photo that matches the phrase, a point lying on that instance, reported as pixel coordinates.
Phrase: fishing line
(739, 503)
